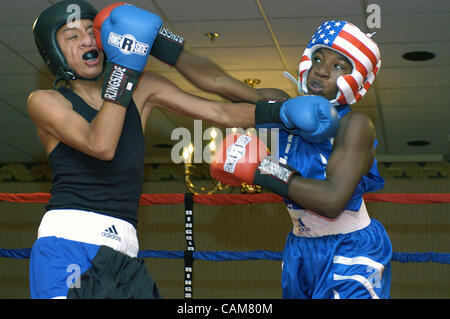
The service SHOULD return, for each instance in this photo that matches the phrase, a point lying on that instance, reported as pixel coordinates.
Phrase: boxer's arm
(353, 153)
(163, 93)
(211, 78)
(306, 115)
(53, 115)
(351, 158)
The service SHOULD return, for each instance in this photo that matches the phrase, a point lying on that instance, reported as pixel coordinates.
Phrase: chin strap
(290, 77)
(68, 75)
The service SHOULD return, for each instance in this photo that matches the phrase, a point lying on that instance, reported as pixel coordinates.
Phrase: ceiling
(259, 39)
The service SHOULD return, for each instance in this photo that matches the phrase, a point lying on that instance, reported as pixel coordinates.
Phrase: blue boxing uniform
(348, 257)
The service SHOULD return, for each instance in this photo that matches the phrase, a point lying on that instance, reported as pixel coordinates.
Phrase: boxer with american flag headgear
(335, 250)
(360, 50)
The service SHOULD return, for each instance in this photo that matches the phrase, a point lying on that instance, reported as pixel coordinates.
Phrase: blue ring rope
(442, 258)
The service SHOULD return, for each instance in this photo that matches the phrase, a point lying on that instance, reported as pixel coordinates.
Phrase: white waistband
(309, 224)
(91, 228)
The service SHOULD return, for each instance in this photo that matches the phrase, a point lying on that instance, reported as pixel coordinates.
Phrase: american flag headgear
(363, 53)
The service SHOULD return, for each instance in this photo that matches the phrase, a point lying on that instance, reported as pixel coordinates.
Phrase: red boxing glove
(237, 158)
(244, 158)
(100, 18)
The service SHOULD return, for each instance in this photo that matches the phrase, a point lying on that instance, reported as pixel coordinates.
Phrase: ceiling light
(212, 36)
(418, 143)
(418, 55)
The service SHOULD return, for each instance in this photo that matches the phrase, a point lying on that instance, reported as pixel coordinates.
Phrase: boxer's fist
(311, 117)
(236, 159)
(167, 46)
(244, 158)
(127, 34)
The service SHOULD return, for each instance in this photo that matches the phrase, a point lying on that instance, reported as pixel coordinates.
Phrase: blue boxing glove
(311, 117)
(127, 34)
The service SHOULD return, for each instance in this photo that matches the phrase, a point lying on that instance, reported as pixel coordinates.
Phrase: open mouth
(91, 56)
(315, 86)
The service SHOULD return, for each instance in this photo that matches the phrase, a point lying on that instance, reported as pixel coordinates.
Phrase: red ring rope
(239, 199)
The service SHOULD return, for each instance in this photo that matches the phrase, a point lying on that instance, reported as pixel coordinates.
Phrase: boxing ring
(190, 254)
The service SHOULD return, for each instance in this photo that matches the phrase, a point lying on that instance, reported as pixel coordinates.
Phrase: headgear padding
(362, 52)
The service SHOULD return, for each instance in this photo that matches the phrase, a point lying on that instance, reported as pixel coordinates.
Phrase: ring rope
(240, 199)
(402, 257)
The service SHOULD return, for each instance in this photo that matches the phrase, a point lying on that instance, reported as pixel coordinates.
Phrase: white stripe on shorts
(90, 228)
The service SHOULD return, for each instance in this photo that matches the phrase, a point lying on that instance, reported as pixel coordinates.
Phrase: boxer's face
(327, 66)
(75, 41)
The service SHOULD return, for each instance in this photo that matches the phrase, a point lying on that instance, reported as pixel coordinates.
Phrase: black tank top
(114, 187)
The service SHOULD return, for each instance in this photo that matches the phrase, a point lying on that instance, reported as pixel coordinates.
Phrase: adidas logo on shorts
(111, 232)
(302, 227)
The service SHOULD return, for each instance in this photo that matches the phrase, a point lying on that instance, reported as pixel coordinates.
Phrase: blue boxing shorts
(355, 265)
(81, 254)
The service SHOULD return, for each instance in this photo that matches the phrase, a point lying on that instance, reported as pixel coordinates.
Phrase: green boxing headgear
(44, 32)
